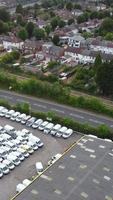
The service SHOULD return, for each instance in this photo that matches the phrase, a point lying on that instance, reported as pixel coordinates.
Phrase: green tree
(61, 23)
(71, 21)
(39, 33)
(69, 6)
(3, 27)
(20, 20)
(19, 9)
(54, 22)
(104, 78)
(22, 34)
(98, 61)
(4, 15)
(48, 29)
(106, 26)
(56, 39)
(30, 29)
(109, 36)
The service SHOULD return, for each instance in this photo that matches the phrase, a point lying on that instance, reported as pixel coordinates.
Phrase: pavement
(42, 105)
(84, 172)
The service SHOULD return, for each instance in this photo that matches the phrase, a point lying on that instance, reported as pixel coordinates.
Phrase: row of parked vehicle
(45, 126)
(15, 146)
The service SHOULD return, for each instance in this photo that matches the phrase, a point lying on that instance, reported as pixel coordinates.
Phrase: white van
(9, 113)
(9, 129)
(4, 168)
(48, 128)
(37, 123)
(3, 112)
(9, 164)
(13, 159)
(61, 131)
(39, 167)
(11, 145)
(5, 136)
(1, 108)
(32, 145)
(14, 116)
(43, 125)
(20, 117)
(26, 182)
(19, 155)
(68, 133)
(35, 140)
(55, 129)
(20, 187)
(23, 121)
(3, 153)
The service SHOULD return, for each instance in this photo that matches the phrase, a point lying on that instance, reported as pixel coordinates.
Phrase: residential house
(76, 41)
(32, 46)
(102, 46)
(56, 51)
(12, 42)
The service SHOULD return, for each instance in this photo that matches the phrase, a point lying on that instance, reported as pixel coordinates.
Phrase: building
(12, 43)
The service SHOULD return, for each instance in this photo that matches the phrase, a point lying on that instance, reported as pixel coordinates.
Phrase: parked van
(23, 152)
(37, 123)
(14, 116)
(5, 136)
(13, 159)
(19, 155)
(26, 182)
(4, 168)
(32, 145)
(35, 140)
(20, 187)
(61, 131)
(27, 148)
(9, 129)
(24, 120)
(20, 117)
(9, 113)
(11, 145)
(48, 128)
(39, 167)
(9, 164)
(68, 133)
(43, 125)
(55, 129)
(31, 121)
(3, 112)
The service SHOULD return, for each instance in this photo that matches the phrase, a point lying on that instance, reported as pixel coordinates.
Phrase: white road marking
(57, 110)
(77, 116)
(41, 106)
(96, 121)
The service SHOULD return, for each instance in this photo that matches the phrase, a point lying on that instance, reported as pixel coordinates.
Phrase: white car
(35, 140)
(23, 121)
(1, 129)
(9, 113)
(11, 145)
(32, 145)
(61, 131)
(55, 129)
(20, 117)
(9, 164)
(48, 128)
(23, 151)
(27, 148)
(37, 123)
(19, 155)
(22, 134)
(3, 112)
(21, 139)
(5, 136)
(31, 121)
(20, 187)
(43, 125)
(1, 109)
(14, 116)
(68, 133)
(13, 159)
(4, 168)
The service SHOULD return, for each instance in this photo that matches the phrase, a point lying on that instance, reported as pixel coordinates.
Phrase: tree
(4, 15)
(98, 61)
(30, 29)
(22, 34)
(71, 21)
(109, 36)
(56, 39)
(104, 78)
(61, 23)
(20, 19)
(19, 9)
(3, 27)
(77, 6)
(48, 29)
(69, 6)
(83, 18)
(106, 26)
(54, 22)
(39, 33)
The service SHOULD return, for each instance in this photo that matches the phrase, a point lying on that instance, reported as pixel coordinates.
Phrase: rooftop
(84, 172)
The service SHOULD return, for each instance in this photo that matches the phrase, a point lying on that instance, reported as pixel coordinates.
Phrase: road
(62, 110)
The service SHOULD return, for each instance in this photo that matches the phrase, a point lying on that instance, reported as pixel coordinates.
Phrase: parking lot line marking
(85, 195)
(96, 181)
(46, 177)
(96, 121)
(107, 178)
(48, 167)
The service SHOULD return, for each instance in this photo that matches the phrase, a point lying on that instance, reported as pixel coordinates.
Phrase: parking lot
(26, 169)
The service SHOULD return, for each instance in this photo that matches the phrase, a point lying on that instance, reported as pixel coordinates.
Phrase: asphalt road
(62, 110)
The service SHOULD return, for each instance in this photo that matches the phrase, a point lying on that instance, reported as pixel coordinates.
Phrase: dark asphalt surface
(62, 110)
